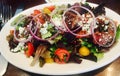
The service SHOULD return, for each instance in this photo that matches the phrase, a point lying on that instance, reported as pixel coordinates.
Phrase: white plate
(52, 1)
(20, 60)
(3, 65)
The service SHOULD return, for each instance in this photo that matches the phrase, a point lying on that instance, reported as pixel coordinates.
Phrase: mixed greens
(64, 34)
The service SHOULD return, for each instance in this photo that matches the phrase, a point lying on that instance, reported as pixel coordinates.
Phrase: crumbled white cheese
(100, 40)
(43, 30)
(86, 27)
(106, 21)
(90, 20)
(88, 15)
(20, 47)
(21, 30)
(83, 15)
(57, 21)
(87, 23)
(45, 25)
(29, 36)
(102, 25)
(22, 38)
(80, 23)
(102, 18)
(106, 27)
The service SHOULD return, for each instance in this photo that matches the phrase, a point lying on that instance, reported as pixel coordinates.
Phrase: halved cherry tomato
(61, 56)
(30, 49)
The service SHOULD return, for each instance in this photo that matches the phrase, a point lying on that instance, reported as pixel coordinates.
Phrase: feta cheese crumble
(19, 48)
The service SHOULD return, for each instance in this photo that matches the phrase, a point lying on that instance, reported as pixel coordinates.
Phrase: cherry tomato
(61, 56)
(84, 51)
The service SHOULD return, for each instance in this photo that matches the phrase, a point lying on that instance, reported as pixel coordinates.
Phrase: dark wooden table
(113, 69)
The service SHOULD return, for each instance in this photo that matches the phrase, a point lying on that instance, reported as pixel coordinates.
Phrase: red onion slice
(30, 29)
(104, 36)
(36, 29)
(91, 24)
(19, 40)
(62, 28)
(38, 25)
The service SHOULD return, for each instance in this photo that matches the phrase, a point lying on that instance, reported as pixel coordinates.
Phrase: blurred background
(31, 3)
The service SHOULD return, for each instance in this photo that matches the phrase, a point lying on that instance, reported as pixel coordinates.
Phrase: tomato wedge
(61, 56)
(30, 49)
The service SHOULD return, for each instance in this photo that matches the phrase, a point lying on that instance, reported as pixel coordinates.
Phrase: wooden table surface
(113, 69)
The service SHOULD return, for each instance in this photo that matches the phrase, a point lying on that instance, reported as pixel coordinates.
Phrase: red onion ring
(29, 27)
(72, 32)
(19, 40)
(34, 34)
(36, 28)
(110, 44)
(63, 29)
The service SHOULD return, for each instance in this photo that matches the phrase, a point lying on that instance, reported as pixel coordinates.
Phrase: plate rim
(48, 1)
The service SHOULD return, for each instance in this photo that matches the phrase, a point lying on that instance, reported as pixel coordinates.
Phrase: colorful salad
(64, 34)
